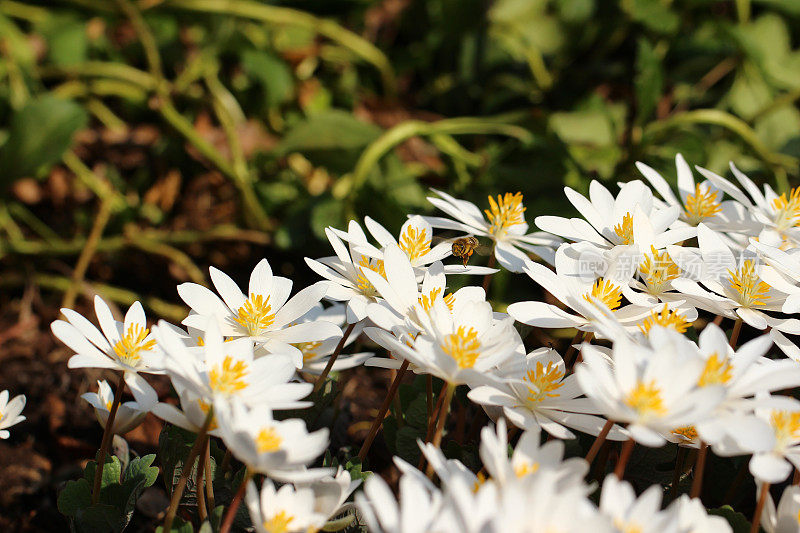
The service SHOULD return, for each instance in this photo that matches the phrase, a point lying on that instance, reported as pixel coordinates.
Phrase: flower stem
(108, 433)
(737, 327)
(762, 499)
(209, 480)
(627, 449)
(572, 349)
(230, 514)
(437, 437)
(680, 460)
(202, 512)
(431, 425)
(487, 279)
(598, 442)
(697, 484)
(373, 431)
(332, 359)
(177, 492)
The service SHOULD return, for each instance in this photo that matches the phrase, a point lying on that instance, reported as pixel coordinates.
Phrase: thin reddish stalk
(755, 525)
(437, 437)
(376, 424)
(230, 514)
(321, 379)
(108, 434)
(627, 449)
(697, 483)
(598, 442)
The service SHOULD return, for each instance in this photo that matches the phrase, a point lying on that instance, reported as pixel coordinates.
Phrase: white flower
(10, 412)
(786, 518)
(504, 224)
(266, 315)
(775, 442)
(331, 492)
(317, 353)
(692, 517)
(220, 370)
(630, 218)
(287, 510)
(653, 386)
(280, 449)
(129, 414)
(418, 507)
(192, 414)
(127, 346)
(463, 346)
(535, 392)
(628, 513)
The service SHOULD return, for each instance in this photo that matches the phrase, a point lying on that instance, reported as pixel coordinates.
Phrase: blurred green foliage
(304, 113)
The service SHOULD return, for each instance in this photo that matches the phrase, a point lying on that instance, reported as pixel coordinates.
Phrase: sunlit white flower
(220, 370)
(10, 412)
(777, 217)
(129, 414)
(504, 224)
(692, 517)
(652, 386)
(632, 218)
(628, 513)
(463, 345)
(317, 353)
(266, 315)
(286, 510)
(280, 449)
(331, 492)
(536, 392)
(415, 511)
(786, 518)
(127, 346)
(192, 413)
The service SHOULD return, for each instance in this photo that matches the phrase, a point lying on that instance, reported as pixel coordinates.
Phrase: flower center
(426, 300)
(254, 316)
(229, 377)
(480, 480)
(415, 243)
(704, 203)
(543, 381)
(268, 440)
(657, 270)
(666, 318)
(463, 346)
(786, 426)
(525, 469)
(205, 407)
(279, 523)
(646, 400)
(752, 291)
(625, 230)
(689, 433)
(362, 283)
(718, 371)
(787, 210)
(507, 211)
(607, 292)
(129, 347)
(309, 349)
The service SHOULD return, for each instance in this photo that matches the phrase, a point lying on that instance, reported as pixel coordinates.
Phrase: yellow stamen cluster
(786, 426)
(415, 243)
(646, 399)
(481, 479)
(745, 281)
(362, 283)
(308, 349)
(268, 440)
(718, 371)
(279, 523)
(526, 469)
(666, 318)
(607, 292)
(463, 346)
(787, 209)
(505, 212)
(128, 349)
(657, 269)
(704, 203)
(624, 230)
(449, 300)
(544, 380)
(204, 407)
(426, 300)
(229, 377)
(254, 316)
(689, 433)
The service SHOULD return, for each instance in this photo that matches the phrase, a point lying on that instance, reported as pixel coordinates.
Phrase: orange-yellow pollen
(308, 349)
(426, 300)
(646, 399)
(463, 346)
(605, 291)
(657, 269)
(362, 283)
(666, 318)
(704, 203)
(415, 243)
(787, 210)
(718, 371)
(505, 212)
(624, 230)
(268, 440)
(254, 316)
(745, 281)
(688, 433)
(526, 469)
(128, 349)
(228, 377)
(786, 426)
(279, 523)
(544, 381)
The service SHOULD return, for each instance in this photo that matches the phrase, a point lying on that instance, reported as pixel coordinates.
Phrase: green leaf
(749, 93)
(139, 475)
(272, 73)
(655, 15)
(68, 43)
(178, 526)
(331, 130)
(649, 80)
(75, 496)
(583, 127)
(738, 522)
(174, 444)
(111, 473)
(406, 443)
(39, 134)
